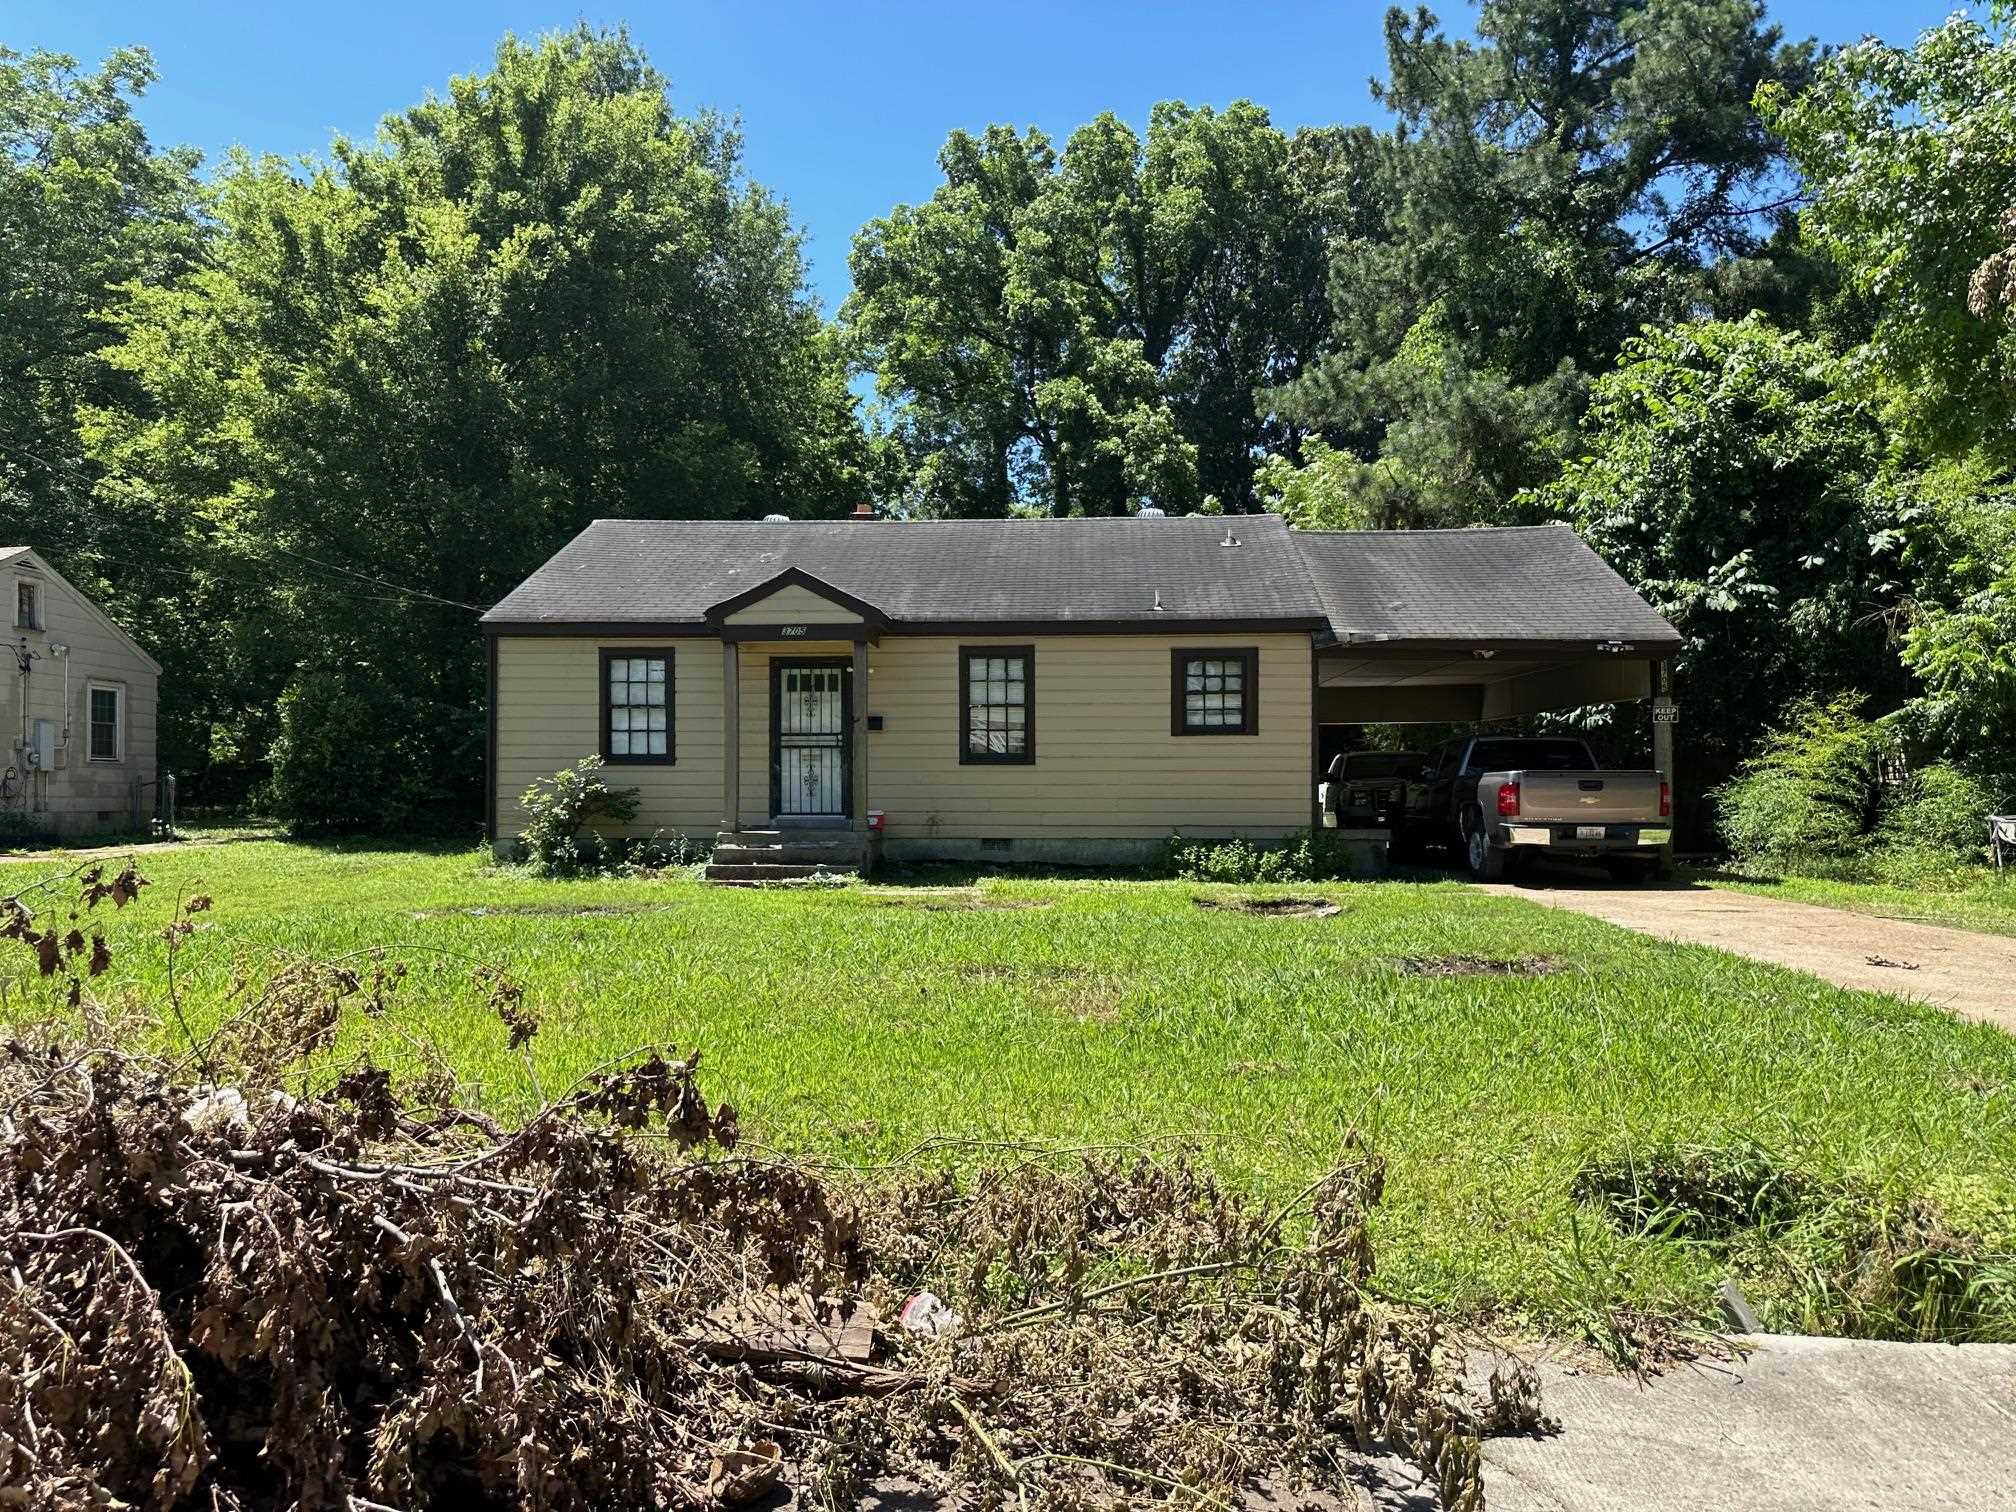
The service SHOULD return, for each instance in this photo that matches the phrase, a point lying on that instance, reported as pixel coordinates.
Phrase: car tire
(1487, 861)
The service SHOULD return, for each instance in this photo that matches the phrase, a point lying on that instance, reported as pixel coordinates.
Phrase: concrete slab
(1801, 1425)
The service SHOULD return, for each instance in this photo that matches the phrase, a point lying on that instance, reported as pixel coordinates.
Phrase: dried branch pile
(237, 1277)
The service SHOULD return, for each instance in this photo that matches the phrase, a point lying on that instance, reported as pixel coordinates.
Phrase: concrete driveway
(1800, 1425)
(1973, 975)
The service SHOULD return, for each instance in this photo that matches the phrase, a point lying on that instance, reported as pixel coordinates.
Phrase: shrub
(1814, 790)
(1941, 810)
(1314, 857)
(559, 838)
(358, 750)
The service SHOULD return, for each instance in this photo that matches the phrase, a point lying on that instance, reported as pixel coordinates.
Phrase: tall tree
(1553, 185)
(1911, 155)
(1084, 331)
(1911, 158)
(86, 207)
(1729, 478)
(406, 375)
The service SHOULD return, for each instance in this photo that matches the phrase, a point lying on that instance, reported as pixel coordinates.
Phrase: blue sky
(843, 106)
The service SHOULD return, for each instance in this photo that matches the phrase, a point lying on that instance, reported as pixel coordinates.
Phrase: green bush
(559, 839)
(1940, 810)
(358, 751)
(1815, 790)
(1314, 857)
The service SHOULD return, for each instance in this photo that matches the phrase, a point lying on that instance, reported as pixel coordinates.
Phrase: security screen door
(809, 720)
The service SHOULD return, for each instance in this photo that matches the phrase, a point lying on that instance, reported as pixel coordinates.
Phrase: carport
(1463, 626)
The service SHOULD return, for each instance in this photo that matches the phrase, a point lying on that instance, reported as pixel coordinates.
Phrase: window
(1215, 692)
(1537, 755)
(997, 704)
(27, 606)
(637, 706)
(105, 711)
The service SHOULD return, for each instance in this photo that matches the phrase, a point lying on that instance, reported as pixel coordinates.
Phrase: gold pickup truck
(1500, 800)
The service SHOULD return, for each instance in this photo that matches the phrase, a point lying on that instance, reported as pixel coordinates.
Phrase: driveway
(1800, 1425)
(1973, 975)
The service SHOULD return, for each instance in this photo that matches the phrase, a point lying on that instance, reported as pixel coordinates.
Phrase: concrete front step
(774, 871)
(746, 857)
(790, 853)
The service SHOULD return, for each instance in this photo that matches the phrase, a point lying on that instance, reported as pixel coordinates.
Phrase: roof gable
(785, 597)
(27, 556)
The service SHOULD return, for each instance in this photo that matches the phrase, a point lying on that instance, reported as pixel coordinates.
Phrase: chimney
(863, 511)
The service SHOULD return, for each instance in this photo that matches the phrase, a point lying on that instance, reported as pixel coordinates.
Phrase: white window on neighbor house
(637, 706)
(27, 604)
(105, 722)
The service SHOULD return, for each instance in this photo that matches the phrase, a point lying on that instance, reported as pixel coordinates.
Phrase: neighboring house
(1025, 689)
(77, 705)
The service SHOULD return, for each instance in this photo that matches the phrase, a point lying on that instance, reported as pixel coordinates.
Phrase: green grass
(855, 1023)
(1964, 897)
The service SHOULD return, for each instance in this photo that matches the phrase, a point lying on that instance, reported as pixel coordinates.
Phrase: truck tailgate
(1588, 797)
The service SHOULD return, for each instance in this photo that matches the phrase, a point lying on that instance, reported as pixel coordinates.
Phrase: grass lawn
(853, 1024)
(1966, 897)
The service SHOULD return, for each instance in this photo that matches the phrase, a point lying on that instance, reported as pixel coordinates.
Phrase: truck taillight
(1665, 800)
(1508, 798)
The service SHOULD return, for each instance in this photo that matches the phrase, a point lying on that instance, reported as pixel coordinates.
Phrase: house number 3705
(794, 629)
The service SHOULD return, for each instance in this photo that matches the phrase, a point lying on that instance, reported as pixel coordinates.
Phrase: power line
(253, 582)
(301, 557)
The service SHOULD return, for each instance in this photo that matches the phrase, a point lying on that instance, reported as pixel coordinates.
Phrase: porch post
(731, 735)
(1315, 738)
(858, 736)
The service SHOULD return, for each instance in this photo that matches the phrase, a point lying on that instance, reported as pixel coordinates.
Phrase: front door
(810, 723)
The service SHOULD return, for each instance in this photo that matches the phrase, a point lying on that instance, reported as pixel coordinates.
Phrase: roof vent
(1150, 512)
(1158, 599)
(776, 519)
(1230, 539)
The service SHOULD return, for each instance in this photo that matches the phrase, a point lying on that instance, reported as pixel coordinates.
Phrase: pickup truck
(1368, 789)
(1503, 799)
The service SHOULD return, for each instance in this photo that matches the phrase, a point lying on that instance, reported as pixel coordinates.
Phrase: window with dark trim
(997, 704)
(1214, 692)
(637, 702)
(27, 606)
(105, 710)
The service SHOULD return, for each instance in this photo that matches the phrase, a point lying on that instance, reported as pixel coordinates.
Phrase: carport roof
(1538, 583)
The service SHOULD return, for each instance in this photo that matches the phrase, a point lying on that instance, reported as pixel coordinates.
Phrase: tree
(86, 206)
(1080, 332)
(1551, 187)
(89, 209)
(1730, 479)
(405, 376)
(1911, 156)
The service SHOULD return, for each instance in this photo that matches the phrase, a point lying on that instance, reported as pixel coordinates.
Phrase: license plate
(1590, 831)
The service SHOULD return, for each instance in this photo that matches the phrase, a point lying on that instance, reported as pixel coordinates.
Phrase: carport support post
(731, 736)
(1662, 733)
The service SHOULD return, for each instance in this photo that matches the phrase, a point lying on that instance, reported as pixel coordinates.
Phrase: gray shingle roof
(1539, 582)
(948, 571)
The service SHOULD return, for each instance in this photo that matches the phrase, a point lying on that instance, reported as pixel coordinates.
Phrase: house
(77, 703)
(1040, 690)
